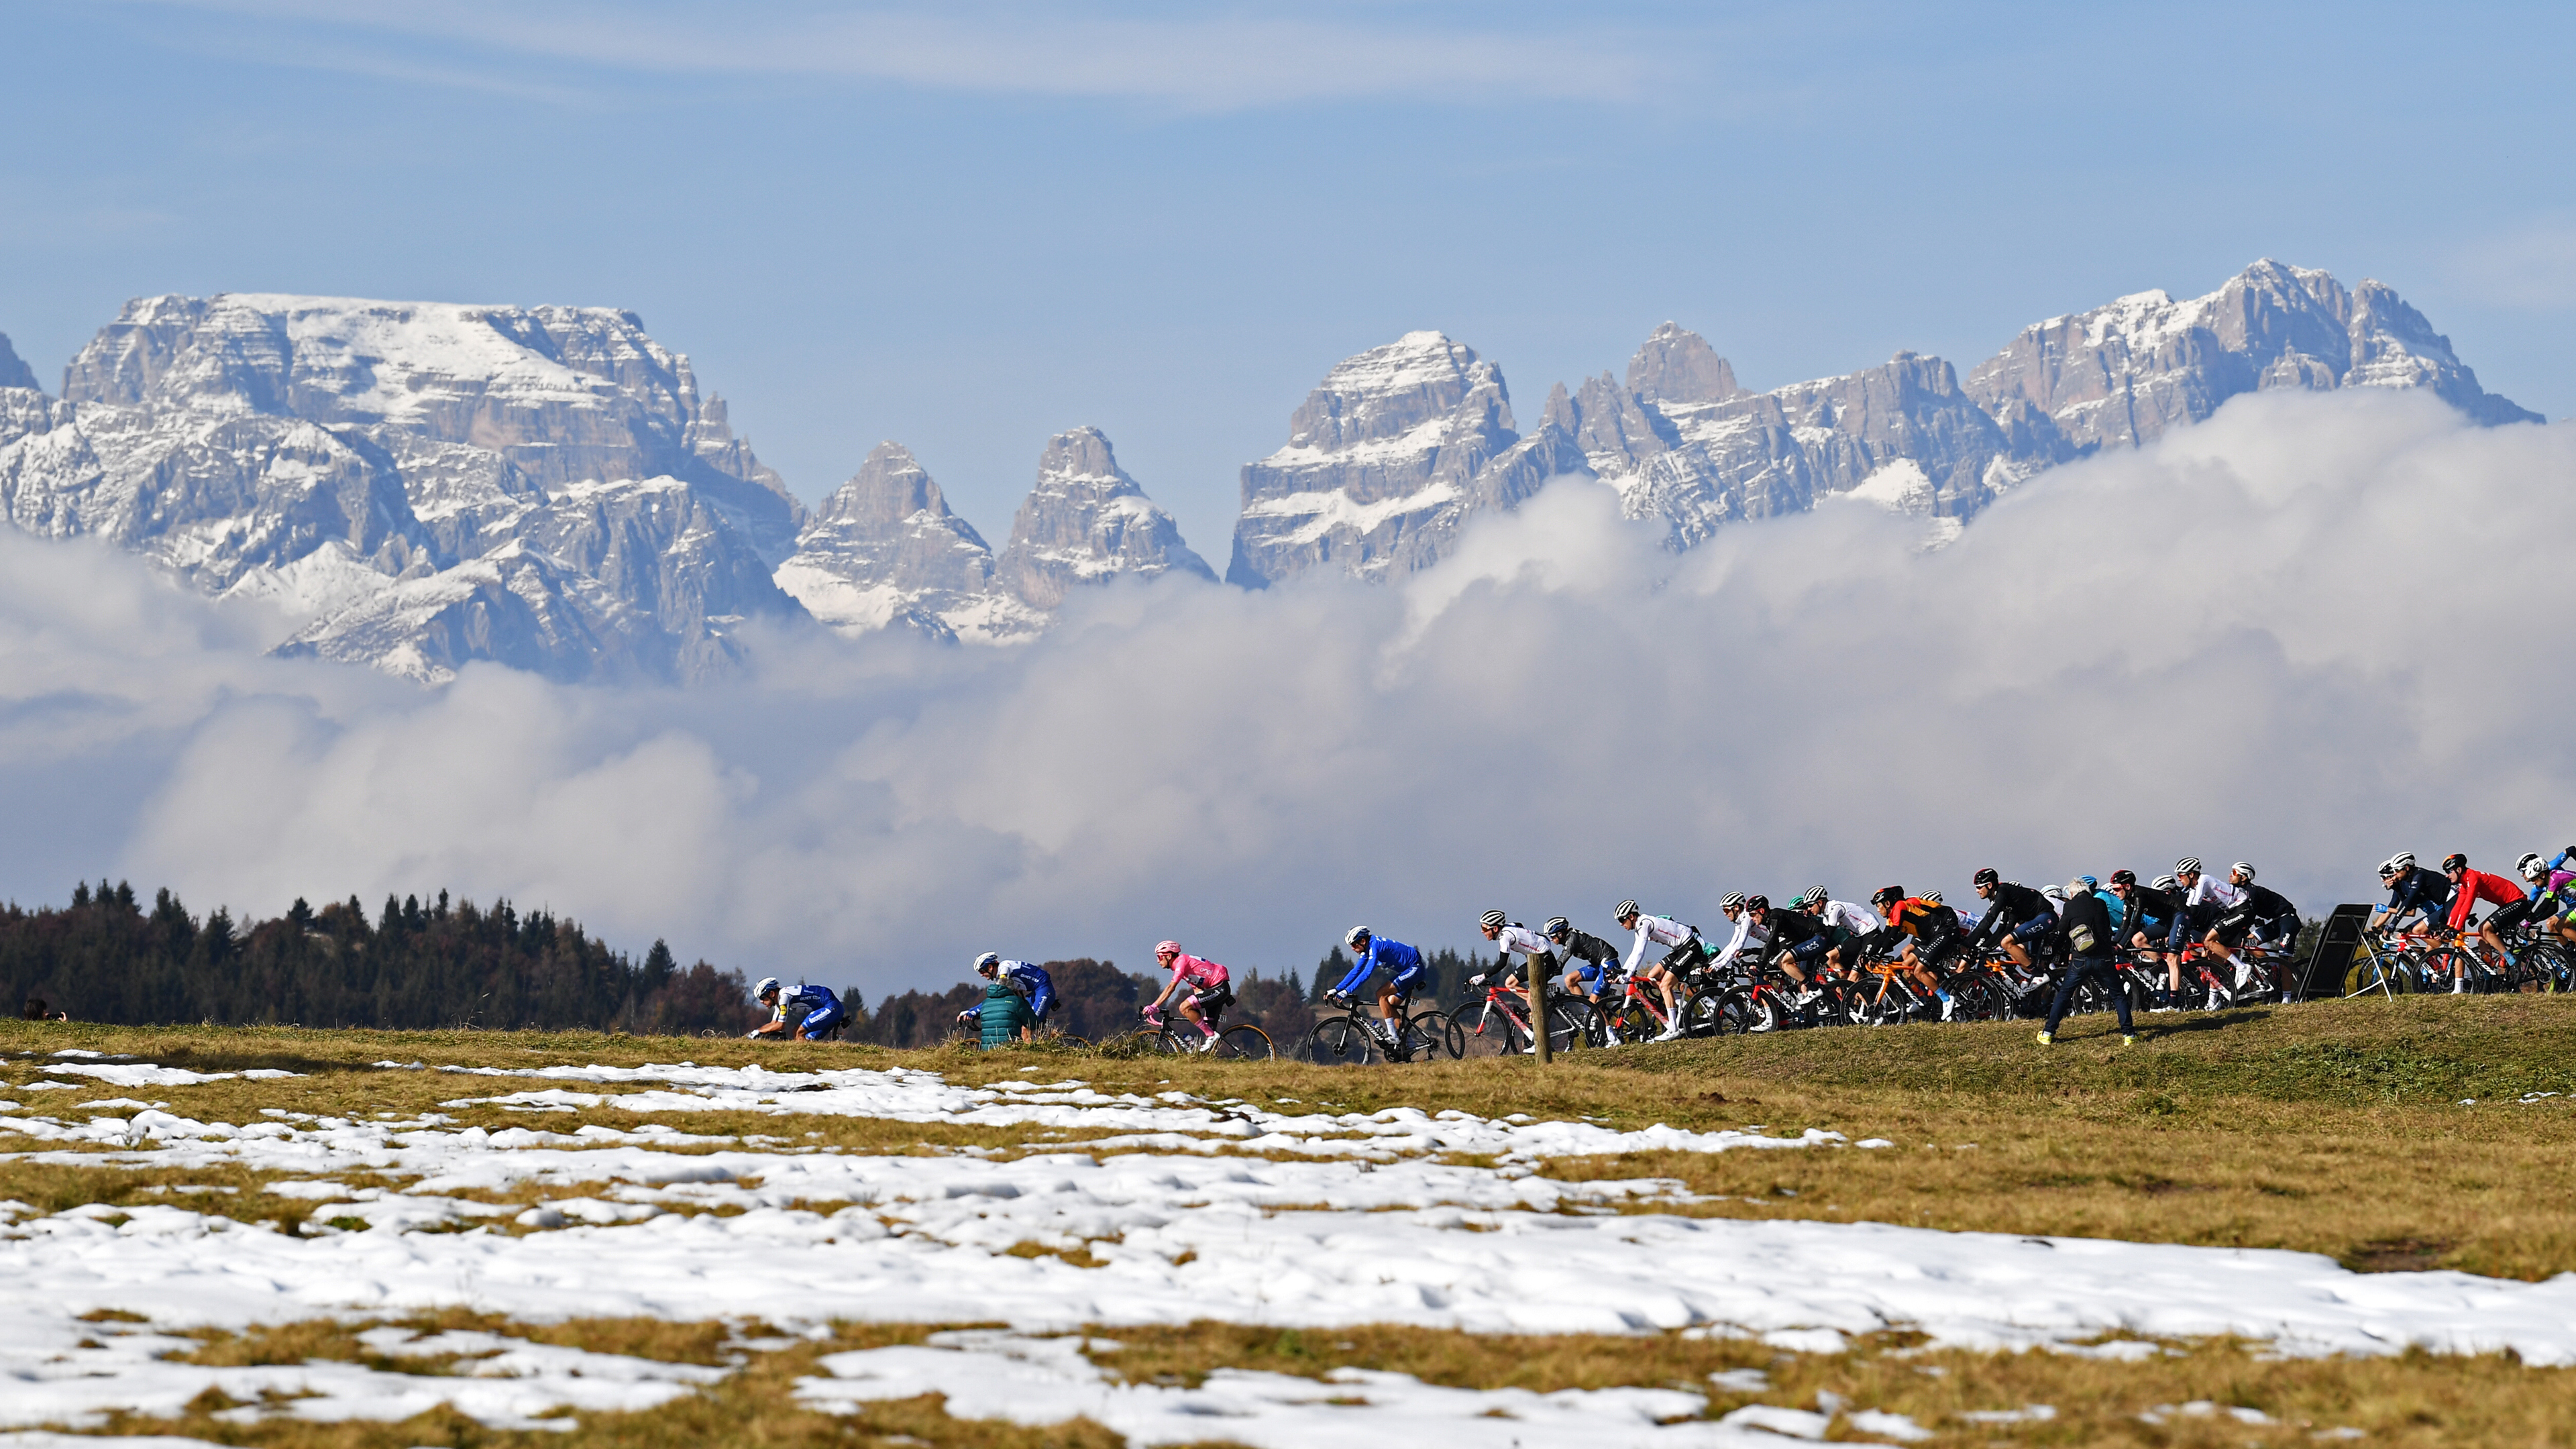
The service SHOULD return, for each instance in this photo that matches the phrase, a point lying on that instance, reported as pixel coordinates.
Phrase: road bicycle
(1355, 1039)
(1502, 1020)
(1175, 1035)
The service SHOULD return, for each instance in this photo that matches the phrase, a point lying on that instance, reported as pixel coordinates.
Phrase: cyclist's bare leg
(2019, 953)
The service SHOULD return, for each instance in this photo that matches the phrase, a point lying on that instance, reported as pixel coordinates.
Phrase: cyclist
(2016, 916)
(2257, 909)
(2089, 944)
(804, 1015)
(1924, 931)
(2203, 902)
(1797, 943)
(1746, 933)
(1681, 949)
(1846, 925)
(2146, 923)
(1028, 980)
(1590, 962)
(2553, 896)
(1205, 989)
(1369, 952)
(1509, 937)
(2412, 890)
(2468, 887)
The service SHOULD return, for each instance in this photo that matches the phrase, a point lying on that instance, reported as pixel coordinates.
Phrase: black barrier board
(2336, 941)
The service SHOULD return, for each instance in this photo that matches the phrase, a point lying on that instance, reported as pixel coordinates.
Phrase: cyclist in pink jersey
(1205, 988)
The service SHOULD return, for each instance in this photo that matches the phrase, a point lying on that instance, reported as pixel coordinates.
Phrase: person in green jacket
(1004, 1012)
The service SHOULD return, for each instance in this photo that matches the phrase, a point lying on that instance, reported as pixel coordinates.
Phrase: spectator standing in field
(2086, 923)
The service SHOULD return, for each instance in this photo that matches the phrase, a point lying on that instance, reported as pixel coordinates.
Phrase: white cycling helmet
(1354, 936)
(2242, 868)
(1734, 901)
(767, 985)
(2054, 894)
(2167, 883)
(2531, 867)
(989, 961)
(2398, 864)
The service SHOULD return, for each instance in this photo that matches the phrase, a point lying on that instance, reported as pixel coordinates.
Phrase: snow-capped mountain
(1369, 480)
(1385, 459)
(885, 550)
(419, 483)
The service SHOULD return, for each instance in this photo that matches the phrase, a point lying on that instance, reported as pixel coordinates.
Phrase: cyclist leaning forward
(1590, 962)
(1369, 953)
(2468, 887)
(1209, 989)
(2016, 916)
(1924, 933)
(1510, 936)
(1680, 945)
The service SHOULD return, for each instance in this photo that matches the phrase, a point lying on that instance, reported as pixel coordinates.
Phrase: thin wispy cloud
(1231, 60)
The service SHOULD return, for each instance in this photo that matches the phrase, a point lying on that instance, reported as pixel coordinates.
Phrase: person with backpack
(1004, 1016)
(1029, 980)
(2086, 925)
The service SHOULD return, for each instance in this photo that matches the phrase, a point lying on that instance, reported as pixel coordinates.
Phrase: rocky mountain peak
(14, 372)
(1388, 392)
(884, 551)
(1085, 522)
(1676, 365)
(888, 488)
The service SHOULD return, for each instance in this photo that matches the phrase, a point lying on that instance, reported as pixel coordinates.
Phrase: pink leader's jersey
(1196, 972)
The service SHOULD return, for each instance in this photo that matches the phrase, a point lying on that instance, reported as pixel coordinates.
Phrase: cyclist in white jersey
(1536, 952)
(1748, 936)
(1680, 947)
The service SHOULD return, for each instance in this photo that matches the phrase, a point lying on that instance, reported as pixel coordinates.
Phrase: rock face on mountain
(14, 372)
(1085, 522)
(422, 483)
(885, 551)
(1387, 457)
(2125, 372)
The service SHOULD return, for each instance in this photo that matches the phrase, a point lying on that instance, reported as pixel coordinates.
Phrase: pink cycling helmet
(1172, 946)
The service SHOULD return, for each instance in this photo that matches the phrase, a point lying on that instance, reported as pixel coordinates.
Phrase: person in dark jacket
(1003, 1014)
(2016, 918)
(2086, 924)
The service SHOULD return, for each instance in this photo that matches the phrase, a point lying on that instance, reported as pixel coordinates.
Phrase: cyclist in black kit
(2015, 916)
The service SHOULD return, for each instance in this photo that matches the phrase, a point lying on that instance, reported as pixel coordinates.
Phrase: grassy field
(2388, 1135)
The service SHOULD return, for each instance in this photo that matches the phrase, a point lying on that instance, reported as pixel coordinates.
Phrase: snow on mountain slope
(288, 447)
(885, 551)
(1085, 522)
(1385, 460)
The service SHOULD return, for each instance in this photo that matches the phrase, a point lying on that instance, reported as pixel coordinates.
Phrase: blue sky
(968, 226)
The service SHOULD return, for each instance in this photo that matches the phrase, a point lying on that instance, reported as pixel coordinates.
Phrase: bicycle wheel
(1750, 1012)
(1440, 1033)
(1338, 1041)
(1570, 1026)
(1628, 1021)
(1245, 1043)
(1704, 1015)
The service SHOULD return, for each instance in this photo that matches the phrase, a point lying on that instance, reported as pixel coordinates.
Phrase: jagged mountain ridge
(427, 484)
(1690, 451)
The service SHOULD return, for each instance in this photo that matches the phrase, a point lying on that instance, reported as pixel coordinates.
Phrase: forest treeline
(446, 964)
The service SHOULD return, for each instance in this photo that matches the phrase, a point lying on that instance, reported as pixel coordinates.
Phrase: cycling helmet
(1757, 904)
(2454, 861)
(768, 986)
(1812, 895)
(2124, 877)
(1556, 928)
(1491, 921)
(2241, 868)
(2167, 883)
(2397, 864)
(1985, 877)
(1355, 935)
(2054, 894)
(1886, 896)
(2531, 867)
(1162, 946)
(1625, 910)
(1933, 899)
(2188, 865)
(1733, 901)
(989, 961)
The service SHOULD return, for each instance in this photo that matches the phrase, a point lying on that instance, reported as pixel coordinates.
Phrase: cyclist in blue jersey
(805, 1014)
(1026, 978)
(1371, 953)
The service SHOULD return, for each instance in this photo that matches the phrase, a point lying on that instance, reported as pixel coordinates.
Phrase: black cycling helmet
(2124, 877)
(1557, 928)
(1757, 904)
(1491, 920)
(1985, 877)
(1886, 896)
(2454, 861)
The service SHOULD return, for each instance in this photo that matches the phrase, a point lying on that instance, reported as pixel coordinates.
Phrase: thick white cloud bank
(2309, 632)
